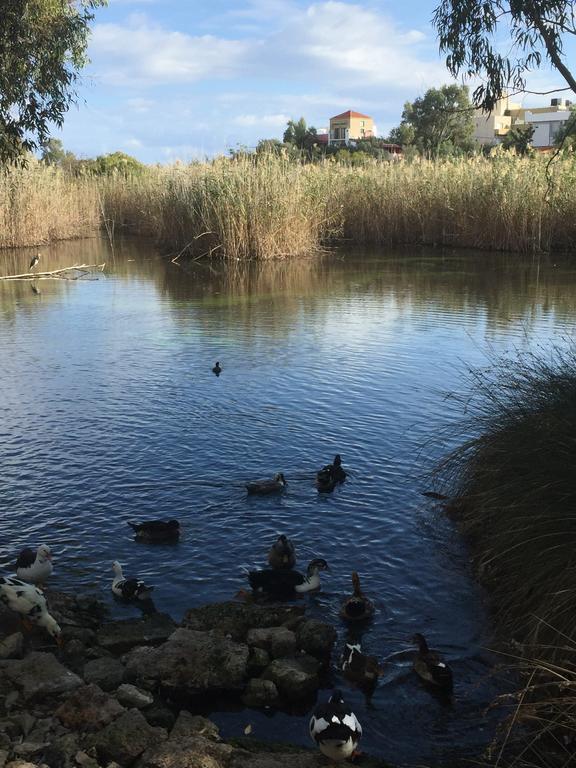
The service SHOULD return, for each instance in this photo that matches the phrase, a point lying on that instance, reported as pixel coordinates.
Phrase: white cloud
(139, 104)
(265, 121)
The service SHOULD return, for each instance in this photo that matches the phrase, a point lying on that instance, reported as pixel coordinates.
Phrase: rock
(291, 759)
(85, 761)
(29, 748)
(130, 696)
(295, 679)
(235, 619)
(75, 648)
(260, 693)
(25, 722)
(70, 610)
(121, 636)
(188, 726)
(160, 715)
(105, 672)
(189, 748)
(60, 753)
(316, 638)
(278, 641)
(257, 661)
(20, 764)
(88, 709)
(3, 757)
(83, 634)
(40, 675)
(10, 700)
(126, 738)
(193, 663)
(11, 647)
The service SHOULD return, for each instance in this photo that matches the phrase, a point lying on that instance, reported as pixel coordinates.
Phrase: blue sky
(185, 79)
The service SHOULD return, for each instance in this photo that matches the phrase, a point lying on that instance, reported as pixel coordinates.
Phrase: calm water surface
(109, 412)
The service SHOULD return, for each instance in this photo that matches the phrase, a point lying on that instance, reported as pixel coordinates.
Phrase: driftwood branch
(55, 274)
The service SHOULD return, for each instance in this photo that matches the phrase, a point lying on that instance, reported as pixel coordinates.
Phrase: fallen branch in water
(55, 274)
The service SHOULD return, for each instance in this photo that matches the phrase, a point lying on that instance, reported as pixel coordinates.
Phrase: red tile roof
(350, 113)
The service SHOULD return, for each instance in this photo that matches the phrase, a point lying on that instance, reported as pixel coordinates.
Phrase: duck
(263, 487)
(34, 567)
(217, 368)
(282, 555)
(156, 530)
(335, 728)
(359, 668)
(128, 589)
(430, 666)
(27, 600)
(357, 607)
(285, 584)
(330, 476)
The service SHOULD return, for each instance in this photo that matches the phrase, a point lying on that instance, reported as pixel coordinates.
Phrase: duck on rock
(431, 667)
(335, 728)
(34, 567)
(357, 607)
(30, 603)
(282, 555)
(156, 530)
(286, 584)
(128, 589)
(264, 487)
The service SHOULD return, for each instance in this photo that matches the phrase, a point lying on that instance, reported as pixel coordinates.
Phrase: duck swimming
(34, 567)
(264, 487)
(335, 728)
(282, 554)
(217, 368)
(156, 530)
(360, 669)
(128, 589)
(357, 607)
(286, 584)
(430, 666)
(330, 476)
(30, 603)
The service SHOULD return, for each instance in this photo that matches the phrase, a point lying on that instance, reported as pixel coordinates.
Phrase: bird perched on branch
(430, 666)
(357, 607)
(34, 567)
(156, 530)
(128, 589)
(34, 261)
(335, 728)
(282, 555)
(285, 584)
(30, 603)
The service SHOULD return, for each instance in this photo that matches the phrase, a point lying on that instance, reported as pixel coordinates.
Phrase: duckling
(360, 669)
(264, 487)
(335, 728)
(34, 567)
(30, 603)
(217, 368)
(156, 530)
(329, 476)
(282, 555)
(357, 607)
(285, 584)
(430, 666)
(128, 589)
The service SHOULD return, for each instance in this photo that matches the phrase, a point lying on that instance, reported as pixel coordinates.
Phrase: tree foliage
(472, 31)
(519, 138)
(438, 123)
(42, 49)
(300, 135)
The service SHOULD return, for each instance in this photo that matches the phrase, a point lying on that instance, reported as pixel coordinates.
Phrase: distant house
(546, 121)
(350, 126)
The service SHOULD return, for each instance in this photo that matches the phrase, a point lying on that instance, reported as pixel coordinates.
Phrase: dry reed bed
(274, 208)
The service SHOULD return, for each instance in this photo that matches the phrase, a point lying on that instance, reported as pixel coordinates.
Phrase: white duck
(35, 567)
(128, 589)
(335, 728)
(30, 603)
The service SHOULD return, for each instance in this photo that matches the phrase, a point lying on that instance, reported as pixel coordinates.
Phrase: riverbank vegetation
(272, 207)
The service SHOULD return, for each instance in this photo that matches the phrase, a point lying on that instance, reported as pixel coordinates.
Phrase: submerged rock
(121, 636)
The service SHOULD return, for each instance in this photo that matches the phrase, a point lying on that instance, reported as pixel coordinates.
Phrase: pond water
(109, 412)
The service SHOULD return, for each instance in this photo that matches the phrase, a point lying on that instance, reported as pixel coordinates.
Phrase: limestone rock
(193, 752)
(40, 674)
(295, 679)
(105, 672)
(126, 738)
(188, 726)
(316, 638)
(88, 709)
(130, 696)
(278, 641)
(121, 636)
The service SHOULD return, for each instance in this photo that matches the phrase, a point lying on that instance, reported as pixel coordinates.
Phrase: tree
(472, 31)
(116, 162)
(566, 136)
(440, 122)
(519, 138)
(300, 135)
(42, 49)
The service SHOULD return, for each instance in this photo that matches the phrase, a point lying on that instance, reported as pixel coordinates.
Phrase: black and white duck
(128, 589)
(359, 668)
(34, 567)
(282, 555)
(330, 476)
(217, 368)
(335, 728)
(357, 607)
(285, 584)
(264, 487)
(30, 603)
(430, 666)
(156, 530)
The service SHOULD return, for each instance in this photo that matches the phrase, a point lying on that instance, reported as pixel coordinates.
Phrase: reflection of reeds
(274, 208)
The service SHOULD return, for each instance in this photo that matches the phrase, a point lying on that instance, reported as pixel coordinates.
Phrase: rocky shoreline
(126, 693)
